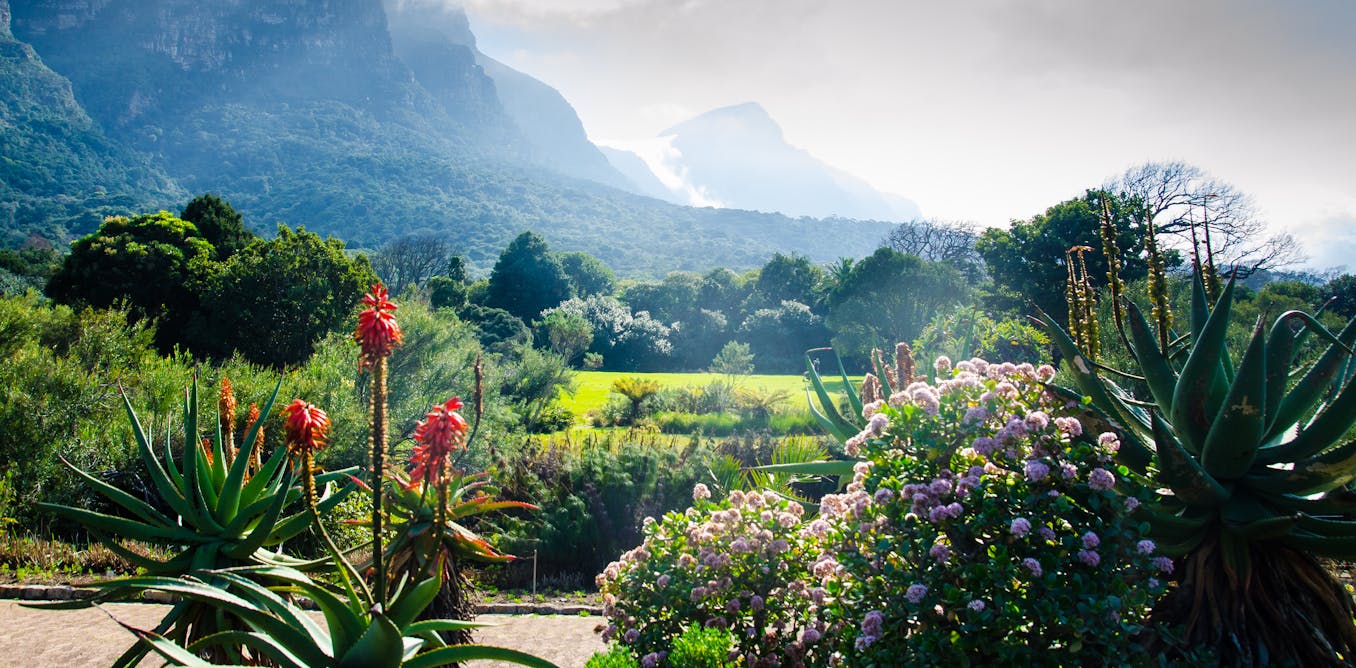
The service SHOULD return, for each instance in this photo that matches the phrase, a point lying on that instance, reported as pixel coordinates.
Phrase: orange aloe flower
(306, 426)
(378, 333)
(441, 432)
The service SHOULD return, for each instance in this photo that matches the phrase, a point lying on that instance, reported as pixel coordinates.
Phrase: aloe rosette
(273, 630)
(218, 517)
(1251, 464)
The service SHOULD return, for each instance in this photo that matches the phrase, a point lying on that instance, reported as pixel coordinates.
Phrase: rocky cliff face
(138, 62)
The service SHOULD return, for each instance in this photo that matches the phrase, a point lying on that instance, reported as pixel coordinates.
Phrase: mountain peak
(746, 121)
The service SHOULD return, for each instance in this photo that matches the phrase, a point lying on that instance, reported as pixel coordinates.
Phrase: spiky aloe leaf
(463, 653)
(1324, 430)
(827, 412)
(1300, 401)
(1320, 473)
(1201, 386)
(1236, 432)
(1158, 372)
(1182, 473)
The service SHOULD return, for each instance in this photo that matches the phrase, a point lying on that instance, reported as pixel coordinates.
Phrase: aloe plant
(274, 630)
(219, 518)
(1252, 467)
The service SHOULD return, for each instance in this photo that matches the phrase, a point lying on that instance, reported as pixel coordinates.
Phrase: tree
(1027, 261)
(888, 297)
(1341, 291)
(568, 334)
(1184, 202)
(154, 261)
(527, 279)
(274, 300)
(411, 261)
(669, 300)
(936, 241)
(626, 341)
(733, 360)
(780, 336)
(499, 331)
(219, 223)
(588, 275)
(789, 278)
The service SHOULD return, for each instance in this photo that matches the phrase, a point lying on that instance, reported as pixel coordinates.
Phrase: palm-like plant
(1251, 469)
(636, 391)
(221, 517)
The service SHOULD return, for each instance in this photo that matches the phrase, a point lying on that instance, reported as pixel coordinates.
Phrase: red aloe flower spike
(378, 332)
(306, 427)
(226, 405)
(441, 432)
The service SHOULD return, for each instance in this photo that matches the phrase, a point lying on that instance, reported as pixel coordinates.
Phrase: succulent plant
(274, 630)
(218, 517)
(1251, 469)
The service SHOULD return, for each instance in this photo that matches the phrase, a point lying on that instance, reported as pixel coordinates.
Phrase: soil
(31, 638)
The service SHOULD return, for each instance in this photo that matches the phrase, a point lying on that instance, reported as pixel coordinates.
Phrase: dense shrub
(736, 565)
(983, 501)
(593, 494)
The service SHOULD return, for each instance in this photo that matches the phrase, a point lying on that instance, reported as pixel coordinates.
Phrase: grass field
(593, 387)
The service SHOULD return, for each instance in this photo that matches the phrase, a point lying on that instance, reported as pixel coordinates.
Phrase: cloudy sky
(985, 110)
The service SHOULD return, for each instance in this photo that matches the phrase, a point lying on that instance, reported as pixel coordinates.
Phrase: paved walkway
(78, 638)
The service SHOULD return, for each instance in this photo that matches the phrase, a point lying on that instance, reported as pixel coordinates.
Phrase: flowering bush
(734, 565)
(984, 527)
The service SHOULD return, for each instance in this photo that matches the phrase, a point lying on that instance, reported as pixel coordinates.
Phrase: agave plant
(274, 630)
(218, 517)
(1251, 469)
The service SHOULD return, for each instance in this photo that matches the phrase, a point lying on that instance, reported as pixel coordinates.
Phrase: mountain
(640, 178)
(424, 30)
(737, 157)
(310, 113)
(59, 173)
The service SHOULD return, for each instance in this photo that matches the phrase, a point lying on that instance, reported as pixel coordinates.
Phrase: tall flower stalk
(378, 334)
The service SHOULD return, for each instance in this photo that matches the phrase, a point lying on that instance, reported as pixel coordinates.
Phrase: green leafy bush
(984, 526)
(703, 648)
(617, 656)
(736, 565)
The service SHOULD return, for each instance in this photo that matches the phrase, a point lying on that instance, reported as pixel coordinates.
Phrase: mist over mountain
(738, 157)
(333, 116)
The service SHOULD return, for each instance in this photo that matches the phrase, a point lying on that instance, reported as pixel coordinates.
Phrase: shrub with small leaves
(703, 648)
(731, 565)
(983, 527)
(617, 656)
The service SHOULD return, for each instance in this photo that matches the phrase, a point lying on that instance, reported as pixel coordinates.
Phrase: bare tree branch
(1181, 198)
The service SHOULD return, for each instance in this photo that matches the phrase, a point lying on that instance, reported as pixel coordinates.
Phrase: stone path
(78, 638)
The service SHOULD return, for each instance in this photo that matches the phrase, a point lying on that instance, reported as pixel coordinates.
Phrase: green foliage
(636, 390)
(734, 359)
(154, 261)
(219, 515)
(594, 495)
(735, 564)
(1341, 291)
(616, 656)
(871, 307)
(588, 275)
(789, 278)
(221, 225)
(274, 300)
(967, 332)
(1257, 470)
(498, 330)
(55, 398)
(1026, 261)
(703, 648)
(528, 279)
(779, 336)
(1002, 520)
(568, 334)
(26, 269)
(634, 342)
(445, 292)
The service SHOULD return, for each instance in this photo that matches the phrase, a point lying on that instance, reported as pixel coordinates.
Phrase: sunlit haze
(984, 111)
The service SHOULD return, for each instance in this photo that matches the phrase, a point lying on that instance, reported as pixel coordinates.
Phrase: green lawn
(593, 387)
